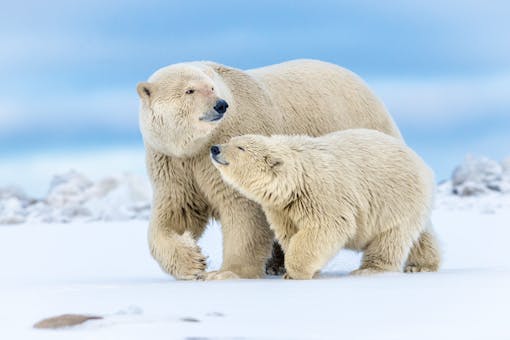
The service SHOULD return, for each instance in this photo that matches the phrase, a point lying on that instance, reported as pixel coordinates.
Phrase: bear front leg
(178, 255)
(310, 249)
(179, 216)
(172, 240)
(247, 240)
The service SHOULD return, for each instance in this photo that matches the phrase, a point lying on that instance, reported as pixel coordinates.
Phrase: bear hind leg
(276, 263)
(425, 255)
(386, 253)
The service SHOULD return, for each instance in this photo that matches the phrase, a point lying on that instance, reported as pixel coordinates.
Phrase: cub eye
(190, 91)
(212, 88)
(240, 148)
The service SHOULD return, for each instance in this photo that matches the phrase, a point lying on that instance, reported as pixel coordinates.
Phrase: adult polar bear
(187, 107)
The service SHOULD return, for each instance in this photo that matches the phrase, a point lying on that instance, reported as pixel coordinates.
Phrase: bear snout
(221, 106)
(216, 155)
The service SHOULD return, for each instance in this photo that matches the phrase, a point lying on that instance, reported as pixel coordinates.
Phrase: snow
(93, 259)
(481, 175)
(72, 196)
(478, 184)
(104, 268)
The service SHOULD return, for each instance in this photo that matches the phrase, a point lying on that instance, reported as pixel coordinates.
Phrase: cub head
(261, 168)
(181, 106)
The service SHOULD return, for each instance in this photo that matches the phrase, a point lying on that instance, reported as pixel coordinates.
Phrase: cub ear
(273, 161)
(145, 90)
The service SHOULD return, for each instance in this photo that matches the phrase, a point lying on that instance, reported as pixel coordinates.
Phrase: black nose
(221, 106)
(215, 150)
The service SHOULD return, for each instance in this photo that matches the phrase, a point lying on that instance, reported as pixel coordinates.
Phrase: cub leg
(387, 252)
(425, 255)
(310, 249)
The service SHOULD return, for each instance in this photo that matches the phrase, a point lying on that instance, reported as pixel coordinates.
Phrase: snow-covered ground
(91, 266)
(105, 269)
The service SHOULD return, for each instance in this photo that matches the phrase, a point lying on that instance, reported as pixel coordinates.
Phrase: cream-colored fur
(357, 189)
(297, 97)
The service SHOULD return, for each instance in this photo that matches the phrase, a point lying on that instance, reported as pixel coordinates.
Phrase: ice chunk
(476, 176)
(72, 196)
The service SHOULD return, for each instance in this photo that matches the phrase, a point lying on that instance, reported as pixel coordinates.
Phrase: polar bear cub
(358, 189)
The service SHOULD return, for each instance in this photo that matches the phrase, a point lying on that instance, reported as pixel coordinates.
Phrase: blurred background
(68, 71)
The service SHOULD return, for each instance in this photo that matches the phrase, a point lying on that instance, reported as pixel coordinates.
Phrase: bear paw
(412, 268)
(188, 261)
(286, 276)
(366, 272)
(218, 275)
(193, 268)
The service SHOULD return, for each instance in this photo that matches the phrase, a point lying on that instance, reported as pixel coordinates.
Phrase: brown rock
(65, 320)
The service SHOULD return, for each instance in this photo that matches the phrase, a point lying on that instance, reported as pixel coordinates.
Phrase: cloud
(396, 37)
(10, 117)
(70, 68)
(446, 102)
(110, 109)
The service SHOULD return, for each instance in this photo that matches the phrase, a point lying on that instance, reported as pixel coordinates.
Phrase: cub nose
(221, 106)
(215, 150)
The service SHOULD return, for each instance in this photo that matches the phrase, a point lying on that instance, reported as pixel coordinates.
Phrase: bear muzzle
(216, 113)
(221, 106)
(216, 155)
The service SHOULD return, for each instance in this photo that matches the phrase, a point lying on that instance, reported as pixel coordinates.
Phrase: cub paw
(366, 272)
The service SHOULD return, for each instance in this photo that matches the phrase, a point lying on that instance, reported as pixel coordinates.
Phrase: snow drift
(72, 196)
(478, 184)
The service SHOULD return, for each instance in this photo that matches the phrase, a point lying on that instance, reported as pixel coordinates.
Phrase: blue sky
(68, 69)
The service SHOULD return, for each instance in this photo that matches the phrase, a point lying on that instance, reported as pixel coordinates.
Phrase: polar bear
(358, 189)
(187, 107)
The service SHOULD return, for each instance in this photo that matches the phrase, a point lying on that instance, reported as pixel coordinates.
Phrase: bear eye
(240, 148)
(190, 91)
(212, 88)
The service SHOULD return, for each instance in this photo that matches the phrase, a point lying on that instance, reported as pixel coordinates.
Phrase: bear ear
(272, 161)
(145, 90)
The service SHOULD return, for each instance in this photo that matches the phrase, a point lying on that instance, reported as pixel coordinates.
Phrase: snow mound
(481, 175)
(72, 196)
(479, 184)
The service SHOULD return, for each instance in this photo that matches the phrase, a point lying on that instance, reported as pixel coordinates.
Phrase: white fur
(358, 189)
(296, 97)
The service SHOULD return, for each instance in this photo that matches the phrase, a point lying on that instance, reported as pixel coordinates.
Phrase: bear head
(261, 168)
(181, 107)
